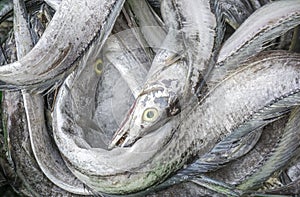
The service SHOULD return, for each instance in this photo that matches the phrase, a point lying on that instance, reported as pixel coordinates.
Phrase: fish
(286, 150)
(164, 91)
(184, 138)
(252, 37)
(75, 25)
(267, 114)
(149, 24)
(19, 149)
(41, 147)
(54, 3)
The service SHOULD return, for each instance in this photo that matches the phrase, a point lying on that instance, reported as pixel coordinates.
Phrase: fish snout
(122, 138)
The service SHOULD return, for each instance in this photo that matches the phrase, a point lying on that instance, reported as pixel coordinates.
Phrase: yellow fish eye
(98, 66)
(150, 115)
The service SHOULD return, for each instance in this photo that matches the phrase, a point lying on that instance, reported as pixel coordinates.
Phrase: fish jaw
(127, 134)
(121, 139)
(147, 114)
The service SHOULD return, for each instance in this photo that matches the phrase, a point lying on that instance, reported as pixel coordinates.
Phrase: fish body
(189, 135)
(253, 35)
(165, 91)
(75, 25)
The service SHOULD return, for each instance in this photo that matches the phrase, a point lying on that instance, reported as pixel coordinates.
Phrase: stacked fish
(150, 97)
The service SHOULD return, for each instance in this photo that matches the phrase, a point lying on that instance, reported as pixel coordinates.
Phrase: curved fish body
(287, 149)
(237, 171)
(232, 122)
(169, 148)
(46, 155)
(171, 79)
(234, 12)
(149, 23)
(254, 34)
(34, 182)
(75, 25)
(292, 187)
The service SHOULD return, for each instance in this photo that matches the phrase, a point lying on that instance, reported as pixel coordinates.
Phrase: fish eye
(150, 115)
(98, 66)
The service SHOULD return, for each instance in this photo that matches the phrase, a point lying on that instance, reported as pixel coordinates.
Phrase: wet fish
(282, 154)
(255, 119)
(166, 150)
(62, 44)
(148, 23)
(165, 91)
(254, 35)
(54, 3)
(46, 155)
(33, 180)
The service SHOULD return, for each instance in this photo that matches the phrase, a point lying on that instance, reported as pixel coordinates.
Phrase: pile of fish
(150, 97)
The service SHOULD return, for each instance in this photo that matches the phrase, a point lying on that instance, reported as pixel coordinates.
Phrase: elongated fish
(54, 169)
(171, 80)
(75, 25)
(15, 123)
(255, 118)
(287, 149)
(154, 157)
(253, 35)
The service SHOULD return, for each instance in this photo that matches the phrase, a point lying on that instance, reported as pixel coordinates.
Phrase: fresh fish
(148, 23)
(255, 119)
(46, 155)
(168, 149)
(234, 12)
(27, 169)
(254, 35)
(283, 153)
(165, 91)
(237, 171)
(62, 44)
(291, 188)
(34, 183)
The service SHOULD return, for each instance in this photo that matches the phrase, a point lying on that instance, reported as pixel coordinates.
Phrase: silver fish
(243, 124)
(27, 169)
(54, 3)
(33, 104)
(167, 149)
(286, 150)
(253, 35)
(62, 44)
(164, 92)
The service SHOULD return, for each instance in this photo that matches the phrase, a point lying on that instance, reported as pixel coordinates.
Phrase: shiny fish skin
(56, 51)
(165, 92)
(26, 167)
(54, 3)
(253, 35)
(24, 162)
(110, 171)
(237, 171)
(33, 104)
(149, 24)
(207, 133)
(284, 152)
(127, 51)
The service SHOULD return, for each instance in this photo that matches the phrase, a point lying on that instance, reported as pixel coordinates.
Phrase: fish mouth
(122, 139)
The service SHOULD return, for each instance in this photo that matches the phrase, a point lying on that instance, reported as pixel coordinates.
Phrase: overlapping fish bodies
(254, 35)
(41, 146)
(232, 120)
(171, 78)
(56, 51)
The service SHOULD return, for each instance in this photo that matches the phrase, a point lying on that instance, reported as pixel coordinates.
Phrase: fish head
(147, 114)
